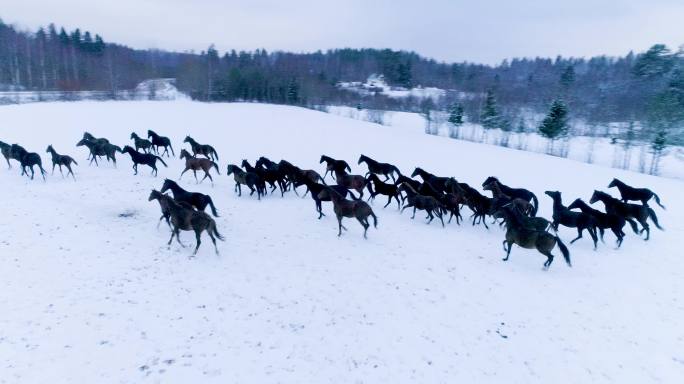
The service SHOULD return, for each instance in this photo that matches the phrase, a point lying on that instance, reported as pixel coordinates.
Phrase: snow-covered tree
(490, 118)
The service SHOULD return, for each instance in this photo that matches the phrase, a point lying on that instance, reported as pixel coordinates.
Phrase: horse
(401, 179)
(526, 237)
(97, 140)
(438, 183)
(27, 159)
(271, 176)
(164, 205)
(5, 150)
(627, 211)
(500, 198)
(100, 149)
(580, 220)
(143, 158)
(296, 176)
(382, 188)
(141, 143)
(519, 193)
(61, 160)
(332, 165)
(186, 219)
(320, 193)
(536, 223)
(603, 220)
(375, 167)
(196, 199)
(355, 182)
(630, 193)
(201, 149)
(250, 179)
(195, 164)
(427, 203)
(351, 208)
(160, 141)
(480, 204)
(273, 168)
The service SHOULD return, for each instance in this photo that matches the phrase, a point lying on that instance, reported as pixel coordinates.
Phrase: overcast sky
(449, 30)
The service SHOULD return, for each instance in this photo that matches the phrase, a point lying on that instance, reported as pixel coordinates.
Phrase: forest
(644, 91)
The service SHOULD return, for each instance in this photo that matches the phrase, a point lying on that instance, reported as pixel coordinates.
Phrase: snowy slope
(92, 296)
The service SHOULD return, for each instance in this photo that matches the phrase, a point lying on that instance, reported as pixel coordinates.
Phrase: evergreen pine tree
(490, 114)
(568, 77)
(456, 114)
(555, 124)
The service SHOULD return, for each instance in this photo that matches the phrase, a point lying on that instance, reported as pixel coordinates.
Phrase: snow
(91, 295)
(376, 84)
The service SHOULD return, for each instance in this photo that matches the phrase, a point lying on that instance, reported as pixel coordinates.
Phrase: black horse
(382, 188)
(333, 165)
(61, 160)
(141, 143)
(378, 168)
(160, 141)
(196, 199)
(27, 159)
(636, 194)
(517, 232)
(580, 220)
(143, 158)
(201, 149)
(186, 219)
(437, 182)
(271, 176)
(519, 193)
(320, 193)
(640, 213)
(604, 220)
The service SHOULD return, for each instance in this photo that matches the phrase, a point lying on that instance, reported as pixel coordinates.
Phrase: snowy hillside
(90, 292)
(377, 84)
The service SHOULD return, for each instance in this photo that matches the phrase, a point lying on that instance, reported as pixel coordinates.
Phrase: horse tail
(633, 224)
(657, 199)
(162, 161)
(535, 205)
(396, 170)
(216, 232)
(216, 166)
(652, 215)
(564, 250)
(214, 152)
(73, 160)
(211, 205)
(171, 146)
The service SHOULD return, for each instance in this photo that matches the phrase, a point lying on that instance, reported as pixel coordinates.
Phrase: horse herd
(437, 196)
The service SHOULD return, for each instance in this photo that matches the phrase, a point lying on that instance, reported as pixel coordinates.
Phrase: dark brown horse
(437, 182)
(353, 209)
(141, 143)
(183, 218)
(61, 160)
(635, 194)
(194, 164)
(250, 179)
(518, 233)
(355, 182)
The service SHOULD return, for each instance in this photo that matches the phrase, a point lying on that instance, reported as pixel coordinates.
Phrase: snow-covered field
(91, 294)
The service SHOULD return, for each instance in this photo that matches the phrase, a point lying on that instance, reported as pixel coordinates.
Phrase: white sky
(474, 30)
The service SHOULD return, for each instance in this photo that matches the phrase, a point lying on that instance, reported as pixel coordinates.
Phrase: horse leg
(601, 232)
(579, 234)
(339, 225)
(70, 172)
(549, 260)
(181, 175)
(365, 226)
(414, 213)
(389, 200)
(53, 168)
(239, 188)
(508, 251)
(643, 223)
(198, 235)
(160, 220)
(195, 173)
(178, 237)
